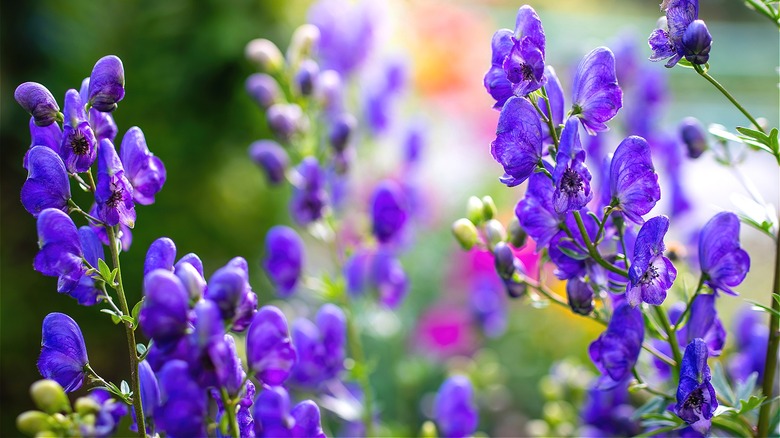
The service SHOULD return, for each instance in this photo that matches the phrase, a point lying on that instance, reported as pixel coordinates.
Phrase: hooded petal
(269, 350)
(307, 420)
(60, 250)
(722, 260)
(85, 291)
(390, 279)
(705, 324)
(49, 136)
(284, 258)
(114, 193)
(144, 171)
(518, 143)
(106, 84)
(183, 408)
(163, 316)
(632, 179)
(495, 81)
(38, 101)
(616, 350)
(597, 96)
(47, 184)
(536, 212)
(79, 146)
(529, 25)
(272, 158)
(63, 353)
(160, 255)
(696, 399)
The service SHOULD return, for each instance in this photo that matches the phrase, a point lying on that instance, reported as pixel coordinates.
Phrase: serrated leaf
(752, 403)
(124, 387)
(721, 385)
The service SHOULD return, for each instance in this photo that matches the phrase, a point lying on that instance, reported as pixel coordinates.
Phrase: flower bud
(495, 232)
(697, 42)
(428, 430)
(272, 158)
(263, 89)
(49, 396)
(580, 296)
(265, 54)
(331, 90)
(39, 102)
(193, 282)
(306, 77)
(341, 130)
(303, 43)
(504, 260)
(475, 210)
(694, 136)
(284, 120)
(106, 84)
(489, 209)
(32, 422)
(465, 232)
(517, 235)
(86, 405)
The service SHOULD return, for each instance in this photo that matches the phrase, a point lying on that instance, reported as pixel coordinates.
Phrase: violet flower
(651, 274)
(307, 420)
(271, 413)
(111, 412)
(696, 399)
(495, 81)
(341, 130)
(106, 84)
(388, 275)
(114, 194)
(47, 184)
(321, 348)
(39, 102)
(49, 136)
(518, 143)
(751, 338)
(597, 96)
(616, 350)
(284, 252)
(60, 252)
(704, 323)
(571, 177)
(182, 411)
(160, 255)
(347, 33)
(536, 212)
(285, 120)
(633, 183)
(263, 89)
(269, 350)
(226, 289)
(144, 171)
(454, 409)
(103, 124)
(79, 146)
(724, 264)
(208, 355)
(85, 292)
(694, 136)
(271, 158)
(247, 303)
(579, 294)
(670, 41)
(389, 211)
(63, 353)
(309, 196)
(164, 314)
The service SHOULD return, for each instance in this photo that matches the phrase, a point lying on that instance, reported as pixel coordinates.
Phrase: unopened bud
(341, 130)
(694, 136)
(306, 77)
(272, 158)
(475, 210)
(86, 405)
(284, 120)
(32, 422)
(495, 232)
(265, 54)
(428, 430)
(303, 43)
(263, 89)
(697, 43)
(489, 209)
(580, 296)
(465, 232)
(49, 396)
(517, 235)
(504, 260)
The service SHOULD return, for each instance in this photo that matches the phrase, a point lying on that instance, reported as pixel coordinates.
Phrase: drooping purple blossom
(182, 411)
(341, 129)
(389, 211)
(39, 102)
(144, 171)
(47, 184)
(536, 212)
(597, 97)
(724, 264)
(60, 252)
(247, 303)
(208, 355)
(346, 33)
(571, 177)
(454, 408)
(696, 400)
(633, 183)
(106, 84)
(123, 232)
(271, 413)
(321, 348)
(63, 353)
(271, 158)
(284, 258)
(226, 289)
(150, 394)
(309, 196)
(381, 94)
(579, 294)
(160, 255)
(616, 350)
(263, 89)
(164, 314)
(103, 124)
(495, 81)
(269, 350)
(114, 193)
(651, 274)
(704, 323)
(518, 143)
(697, 42)
(694, 136)
(667, 41)
(78, 147)
(49, 136)
(85, 292)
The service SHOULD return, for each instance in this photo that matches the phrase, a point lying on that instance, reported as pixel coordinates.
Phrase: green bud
(303, 44)
(265, 54)
(465, 232)
(489, 208)
(86, 405)
(517, 235)
(48, 434)
(428, 430)
(495, 233)
(49, 396)
(475, 211)
(32, 422)
(88, 420)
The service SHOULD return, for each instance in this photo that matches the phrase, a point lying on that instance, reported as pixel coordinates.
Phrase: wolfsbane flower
(39, 102)
(673, 40)
(571, 177)
(633, 183)
(651, 274)
(616, 350)
(518, 143)
(79, 146)
(47, 184)
(114, 193)
(454, 408)
(597, 97)
(63, 353)
(284, 252)
(724, 264)
(696, 399)
(60, 252)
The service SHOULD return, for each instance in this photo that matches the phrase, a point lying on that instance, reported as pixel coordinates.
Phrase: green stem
(593, 251)
(642, 385)
(659, 431)
(607, 212)
(135, 383)
(230, 411)
(75, 208)
(550, 122)
(356, 349)
(770, 366)
(690, 303)
(663, 319)
(728, 95)
(108, 385)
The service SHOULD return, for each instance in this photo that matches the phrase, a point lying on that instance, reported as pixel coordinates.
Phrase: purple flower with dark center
(60, 252)
(160, 255)
(39, 102)
(49, 136)
(47, 184)
(307, 420)
(651, 274)
(667, 41)
(106, 84)
(164, 314)
(309, 196)
(114, 194)
(571, 177)
(123, 233)
(597, 96)
(182, 411)
(78, 148)
(388, 211)
(85, 292)
(694, 136)
(616, 350)
(579, 294)
(272, 158)
(226, 289)
(346, 33)
(454, 409)
(284, 258)
(263, 89)
(536, 212)
(388, 276)
(751, 337)
(633, 182)
(696, 400)
(724, 264)
(144, 171)
(63, 353)
(269, 350)
(705, 324)
(518, 143)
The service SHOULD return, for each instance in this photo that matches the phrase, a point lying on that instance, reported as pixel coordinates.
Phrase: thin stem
(135, 382)
(770, 366)
(642, 385)
(728, 95)
(690, 303)
(550, 122)
(107, 298)
(75, 208)
(356, 348)
(109, 386)
(91, 180)
(230, 411)
(607, 212)
(593, 251)
(663, 319)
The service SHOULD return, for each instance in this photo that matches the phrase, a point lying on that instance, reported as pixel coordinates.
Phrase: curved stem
(690, 303)
(672, 335)
(230, 411)
(728, 95)
(550, 122)
(770, 365)
(593, 251)
(135, 383)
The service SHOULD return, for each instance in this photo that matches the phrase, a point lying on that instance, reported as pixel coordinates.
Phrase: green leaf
(116, 318)
(129, 319)
(764, 308)
(105, 271)
(654, 405)
(721, 385)
(748, 405)
(773, 141)
(576, 255)
(752, 133)
(745, 389)
(136, 310)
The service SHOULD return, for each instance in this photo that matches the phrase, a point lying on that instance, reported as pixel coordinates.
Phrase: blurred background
(185, 73)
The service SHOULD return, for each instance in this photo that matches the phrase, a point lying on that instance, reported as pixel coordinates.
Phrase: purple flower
(85, 291)
(269, 351)
(39, 102)
(106, 84)
(356, 272)
(60, 250)
(696, 400)
(49, 136)
(597, 96)
(160, 255)
(667, 42)
(571, 177)
(488, 305)
(579, 294)
(651, 274)
(78, 148)
(307, 420)
(340, 131)
(272, 413)
(608, 413)
(724, 264)
(208, 355)
(616, 350)
(63, 353)
(388, 275)
(111, 412)
(388, 211)
(150, 391)
(705, 324)
(306, 77)
(751, 338)
(114, 194)
(697, 43)
(103, 124)
(518, 143)
(247, 303)
(454, 408)
(263, 89)
(321, 348)
(536, 212)
(123, 233)
(226, 289)
(633, 182)
(272, 158)
(285, 120)
(694, 136)
(163, 316)
(309, 196)
(495, 81)
(144, 171)
(182, 411)
(47, 184)
(346, 33)
(284, 258)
